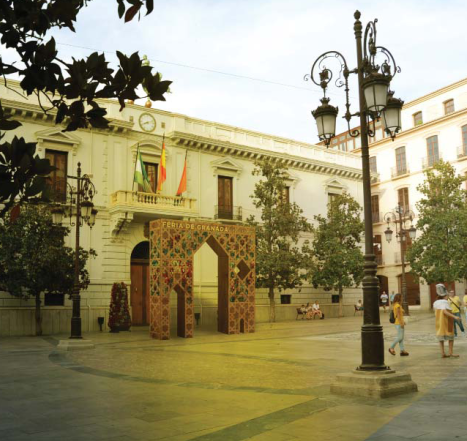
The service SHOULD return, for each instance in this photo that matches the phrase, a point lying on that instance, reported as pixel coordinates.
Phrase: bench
(357, 310)
(300, 313)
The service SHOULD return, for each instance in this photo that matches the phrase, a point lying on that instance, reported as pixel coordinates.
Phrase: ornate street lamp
(392, 115)
(79, 209)
(375, 69)
(401, 218)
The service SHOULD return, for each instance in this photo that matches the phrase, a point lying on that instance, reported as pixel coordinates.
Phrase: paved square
(271, 385)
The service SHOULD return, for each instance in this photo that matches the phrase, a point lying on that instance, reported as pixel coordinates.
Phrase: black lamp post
(401, 217)
(375, 101)
(78, 203)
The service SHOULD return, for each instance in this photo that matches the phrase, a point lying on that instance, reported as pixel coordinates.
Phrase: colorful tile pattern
(173, 245)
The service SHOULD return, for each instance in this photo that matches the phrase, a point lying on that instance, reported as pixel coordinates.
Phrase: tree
(279, 259)
(337, 256)
(439, 254)
(34, 260)
(68, 90)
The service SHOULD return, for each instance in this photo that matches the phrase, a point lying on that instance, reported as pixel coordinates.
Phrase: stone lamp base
(373, 384)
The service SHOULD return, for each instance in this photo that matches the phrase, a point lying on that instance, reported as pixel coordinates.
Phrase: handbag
(392, 318)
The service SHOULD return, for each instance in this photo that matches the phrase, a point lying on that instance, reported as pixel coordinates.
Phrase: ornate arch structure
(173, 245)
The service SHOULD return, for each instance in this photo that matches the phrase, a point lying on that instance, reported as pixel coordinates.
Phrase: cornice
(196, 142)
(435, 93)
(418, 128)
(24, 111)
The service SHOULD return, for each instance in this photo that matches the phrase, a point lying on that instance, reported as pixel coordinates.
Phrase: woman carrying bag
(400, 324)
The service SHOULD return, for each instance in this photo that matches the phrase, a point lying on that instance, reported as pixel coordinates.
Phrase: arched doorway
(413, 288)
(139, 294)
(383, 284)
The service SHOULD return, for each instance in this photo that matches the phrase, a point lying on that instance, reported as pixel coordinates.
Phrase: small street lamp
(375, 69)
(401, 218)
(78, 204)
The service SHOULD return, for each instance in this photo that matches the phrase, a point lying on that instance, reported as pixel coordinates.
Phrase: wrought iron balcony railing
(462, 151)
(430, 161)
(379, 260)
(396, 172)
(228, 212)
(377, 217)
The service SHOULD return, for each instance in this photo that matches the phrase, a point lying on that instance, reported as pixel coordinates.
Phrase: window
(332, 197)
(151, 171)
(378, 249)
(417, 119)
(464, 139)
(448, 106)
(57, 179)
(375, 209)
(403, 198)
(401, 162)
(373, 167)
(432, 150)
(54, 300)
(286, 195)
(335, 298)
(406, 242)
(224, 197)
(286, 299)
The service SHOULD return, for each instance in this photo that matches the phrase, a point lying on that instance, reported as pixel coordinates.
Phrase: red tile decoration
(173, 245)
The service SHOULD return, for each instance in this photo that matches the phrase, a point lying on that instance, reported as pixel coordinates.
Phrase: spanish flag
(182, 186)
(162, 169)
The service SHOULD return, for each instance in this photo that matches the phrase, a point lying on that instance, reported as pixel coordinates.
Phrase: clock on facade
(147, 122)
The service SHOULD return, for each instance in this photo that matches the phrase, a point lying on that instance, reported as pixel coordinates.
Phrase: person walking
(400, 327)
(465, 305)
(384, 300)
(455, 304)
(444, 321)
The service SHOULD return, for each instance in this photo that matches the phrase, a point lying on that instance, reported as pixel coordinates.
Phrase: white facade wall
(212, 149)
(413, 138)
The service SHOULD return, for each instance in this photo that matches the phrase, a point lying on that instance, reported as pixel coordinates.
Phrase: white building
(220, 162)
(434, 127)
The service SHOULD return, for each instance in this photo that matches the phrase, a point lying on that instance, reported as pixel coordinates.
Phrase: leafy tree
(66, 89)
(34, 260)
(439, 254)
(279, 259)
(337, 256)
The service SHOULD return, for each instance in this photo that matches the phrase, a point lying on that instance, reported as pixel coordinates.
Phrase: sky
(274, 41)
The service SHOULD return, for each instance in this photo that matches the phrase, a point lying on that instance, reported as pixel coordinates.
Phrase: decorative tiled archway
(173, 246)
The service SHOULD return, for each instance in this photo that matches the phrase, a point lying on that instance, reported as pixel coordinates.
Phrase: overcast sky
(276, 41)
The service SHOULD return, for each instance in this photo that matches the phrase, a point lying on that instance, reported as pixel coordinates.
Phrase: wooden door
(224, 197)
(140, 293)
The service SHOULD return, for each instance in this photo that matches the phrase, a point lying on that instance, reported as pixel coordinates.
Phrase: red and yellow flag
(162, 169)
(182, 186)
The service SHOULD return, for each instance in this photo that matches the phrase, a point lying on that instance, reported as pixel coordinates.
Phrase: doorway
(413, 289)
(139, 293)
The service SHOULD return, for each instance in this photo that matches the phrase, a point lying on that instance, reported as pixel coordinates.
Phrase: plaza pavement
(270, 385)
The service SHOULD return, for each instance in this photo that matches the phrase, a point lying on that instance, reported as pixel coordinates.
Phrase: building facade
(220, 161)
(434, 127)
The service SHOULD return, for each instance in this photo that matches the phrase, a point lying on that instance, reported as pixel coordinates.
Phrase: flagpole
(134, 171)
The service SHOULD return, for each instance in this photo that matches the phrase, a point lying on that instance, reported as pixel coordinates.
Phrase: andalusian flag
(162, 169)
(141, 177)
(182, 186)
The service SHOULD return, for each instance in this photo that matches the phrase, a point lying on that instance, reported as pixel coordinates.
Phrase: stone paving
(271, 385)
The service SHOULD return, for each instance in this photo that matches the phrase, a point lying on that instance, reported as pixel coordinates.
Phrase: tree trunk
(38, 315)
(341, 301)
(272, 305)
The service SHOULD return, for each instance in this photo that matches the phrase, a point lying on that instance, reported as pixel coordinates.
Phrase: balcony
(375, 178)
(462, 151)
(398, 172)
(377, 217)
(228, 212)
(379, 259)
(430, 161)
(150, 204)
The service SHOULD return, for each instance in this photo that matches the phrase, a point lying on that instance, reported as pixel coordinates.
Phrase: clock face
(147, 122)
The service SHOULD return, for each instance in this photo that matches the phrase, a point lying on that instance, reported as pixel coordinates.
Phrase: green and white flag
(141, 177)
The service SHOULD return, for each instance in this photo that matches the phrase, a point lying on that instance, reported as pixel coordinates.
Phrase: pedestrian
(455, 304)
(384, 300)
(400, 327)
(444, 321)
(465, 306)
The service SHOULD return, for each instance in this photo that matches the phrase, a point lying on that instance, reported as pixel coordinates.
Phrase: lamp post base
(72, 344)
(373, 384)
